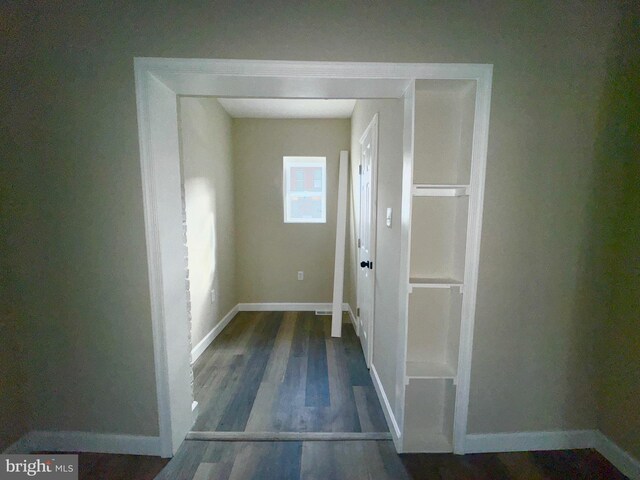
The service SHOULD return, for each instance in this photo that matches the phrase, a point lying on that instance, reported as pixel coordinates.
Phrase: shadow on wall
(610, 285)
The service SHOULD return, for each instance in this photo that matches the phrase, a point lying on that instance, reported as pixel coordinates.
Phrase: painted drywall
(271, 252)
(72, 148)
(385, 340)
(207, 173)
(14, 409)
(615, 243)
(20, 270)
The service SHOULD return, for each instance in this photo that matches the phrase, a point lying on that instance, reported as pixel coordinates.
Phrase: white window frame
(287, 163)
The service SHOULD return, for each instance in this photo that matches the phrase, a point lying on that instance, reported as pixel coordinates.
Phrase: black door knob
(367, 265)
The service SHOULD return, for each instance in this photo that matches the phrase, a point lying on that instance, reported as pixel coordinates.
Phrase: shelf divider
(424, 190)
(434, 282)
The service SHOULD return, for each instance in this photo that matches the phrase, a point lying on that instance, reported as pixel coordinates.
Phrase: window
(305, 189)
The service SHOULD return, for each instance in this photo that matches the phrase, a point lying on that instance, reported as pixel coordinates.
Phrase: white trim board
(341, 232)
(529, 441)
(386, 409)
(621, 459)
(288, 436)
(35, 441)
(210, 337)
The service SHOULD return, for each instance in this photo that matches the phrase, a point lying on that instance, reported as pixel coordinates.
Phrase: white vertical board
(341, 232)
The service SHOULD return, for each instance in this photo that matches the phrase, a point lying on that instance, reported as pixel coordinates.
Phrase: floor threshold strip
(288, 436)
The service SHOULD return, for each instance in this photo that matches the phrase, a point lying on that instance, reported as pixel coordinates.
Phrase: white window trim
(307, 161)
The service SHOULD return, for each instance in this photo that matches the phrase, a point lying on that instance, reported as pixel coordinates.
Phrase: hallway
(282, 372)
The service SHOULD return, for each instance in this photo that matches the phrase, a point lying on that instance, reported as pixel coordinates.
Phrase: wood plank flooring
(285, 460)
(377, 460)
(283, 372)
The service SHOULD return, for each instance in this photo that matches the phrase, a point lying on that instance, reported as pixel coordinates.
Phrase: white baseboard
(529, 441)
(386, 408)
(287, 307)
(352, 317)
(621, 459)
(36, 441)
(210, 337)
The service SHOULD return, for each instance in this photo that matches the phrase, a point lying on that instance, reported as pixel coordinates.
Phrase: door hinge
(358, 312)
(359, 243)
(360, 169)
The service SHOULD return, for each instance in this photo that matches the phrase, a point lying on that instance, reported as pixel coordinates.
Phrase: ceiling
(287, 108)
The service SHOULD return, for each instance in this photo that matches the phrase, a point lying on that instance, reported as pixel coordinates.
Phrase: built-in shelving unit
(440, 183)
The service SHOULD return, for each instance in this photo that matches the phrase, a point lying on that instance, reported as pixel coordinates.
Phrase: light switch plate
(389, 215)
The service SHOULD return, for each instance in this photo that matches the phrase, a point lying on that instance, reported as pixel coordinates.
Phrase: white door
(367, 236)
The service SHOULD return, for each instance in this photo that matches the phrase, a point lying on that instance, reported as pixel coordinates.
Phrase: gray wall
(207, 172)
(14, 412)
(271, 252)
(78, 255)
(390, 123)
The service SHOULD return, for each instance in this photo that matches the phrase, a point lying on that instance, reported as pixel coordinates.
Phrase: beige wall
(73, 150)
(271, 252)
(207, 170)
(615, 244)
(390, 123)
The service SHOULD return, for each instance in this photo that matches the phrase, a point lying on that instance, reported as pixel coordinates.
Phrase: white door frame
(158, 83)
(373, 128)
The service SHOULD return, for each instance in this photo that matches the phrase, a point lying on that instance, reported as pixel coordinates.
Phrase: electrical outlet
(300, 275)
(213, 295)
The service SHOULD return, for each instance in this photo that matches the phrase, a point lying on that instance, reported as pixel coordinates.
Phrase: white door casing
(158, 82)
(367, 236)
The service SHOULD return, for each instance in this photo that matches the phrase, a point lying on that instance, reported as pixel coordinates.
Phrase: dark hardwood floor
(283, 372)
(374, 460)
(107, 466)
(584, 464)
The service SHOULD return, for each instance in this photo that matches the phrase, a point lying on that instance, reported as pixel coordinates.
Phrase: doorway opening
(260, 187)
(159, 83)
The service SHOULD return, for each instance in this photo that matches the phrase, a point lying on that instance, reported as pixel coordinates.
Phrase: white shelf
(422, 190)
(425, 282)
(426, 370)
